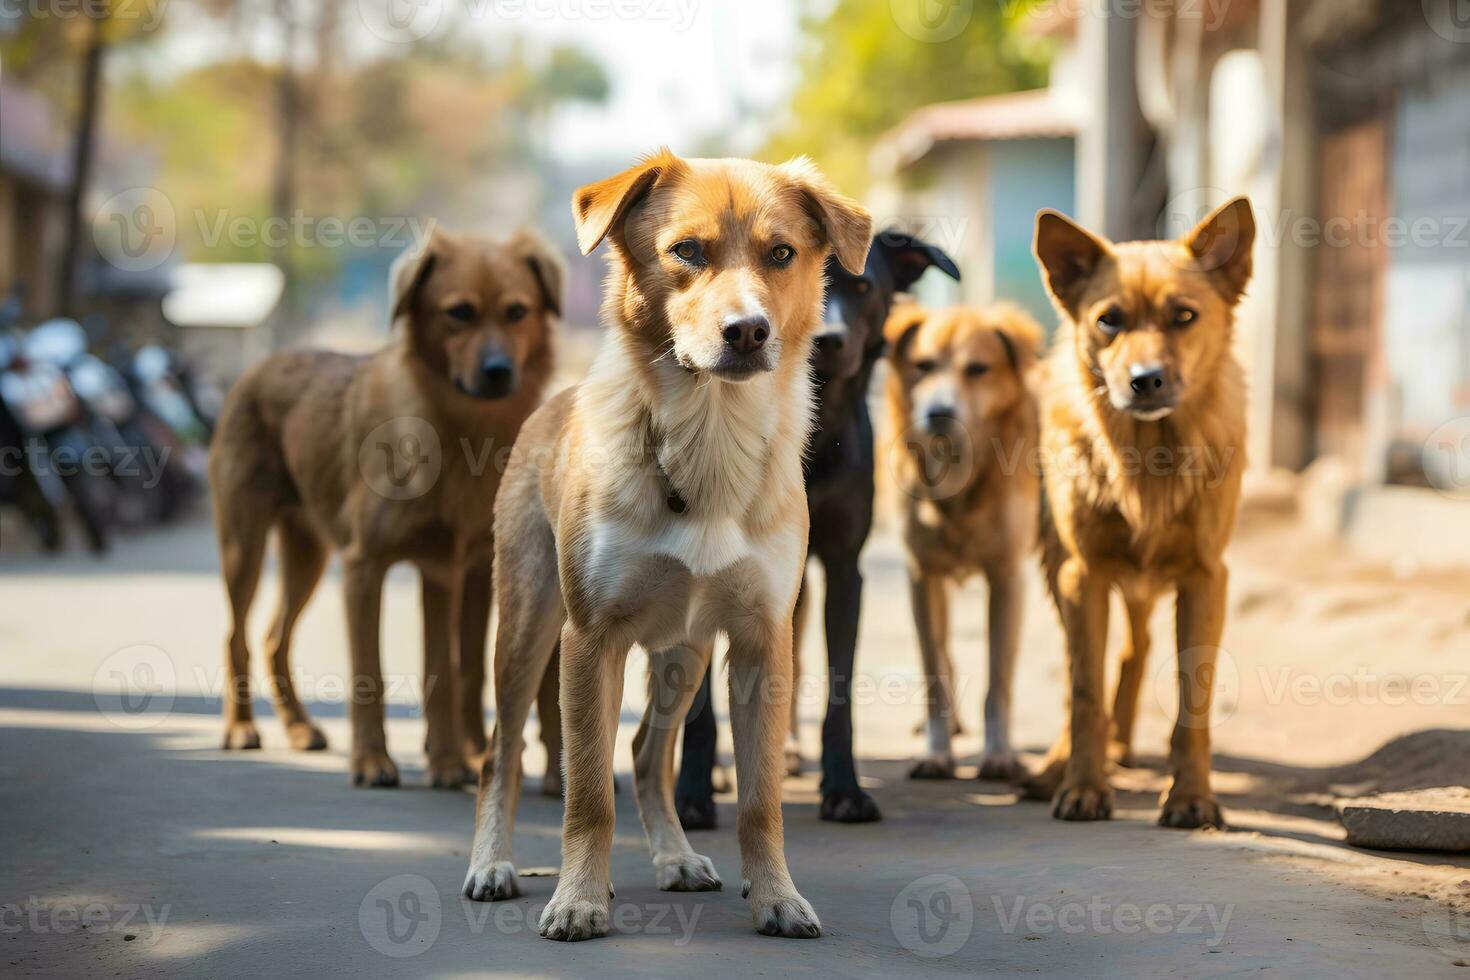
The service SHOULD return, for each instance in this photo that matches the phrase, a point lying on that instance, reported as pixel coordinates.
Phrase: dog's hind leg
(474, 630)
(548, 717)
(694, 796)
(303, 557)
(842, 799)
(1130, 679)
(674, 679)
(592, 692)
(930, 600)
(1006, 602)
(1190, 802)
(530, 613)
(242, 551)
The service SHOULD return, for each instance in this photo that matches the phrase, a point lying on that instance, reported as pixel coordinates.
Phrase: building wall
(1026, 176)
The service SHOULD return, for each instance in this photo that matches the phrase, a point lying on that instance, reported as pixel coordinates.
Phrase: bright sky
(680, 69)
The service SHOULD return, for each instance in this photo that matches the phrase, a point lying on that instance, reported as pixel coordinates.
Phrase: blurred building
(34, 176)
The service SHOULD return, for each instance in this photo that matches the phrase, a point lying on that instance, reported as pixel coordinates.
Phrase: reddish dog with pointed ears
(660, 502)
(1143, 438)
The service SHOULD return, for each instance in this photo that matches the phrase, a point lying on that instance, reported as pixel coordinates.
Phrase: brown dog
(1143, 435)
(963, 411)
(660, 502)
(388, 458)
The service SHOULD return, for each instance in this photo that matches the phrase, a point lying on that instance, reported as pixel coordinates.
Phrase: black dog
(839, 488)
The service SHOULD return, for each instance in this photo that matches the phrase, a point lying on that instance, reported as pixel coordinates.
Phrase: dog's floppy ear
(409, 271)
(908, 257)
(1068, 255)
(546, 265)
(845, 224)
(900, 327)
(1020, 335)
(1222, 244)
(596, 208)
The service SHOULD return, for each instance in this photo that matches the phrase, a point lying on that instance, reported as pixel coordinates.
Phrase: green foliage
(862, 74)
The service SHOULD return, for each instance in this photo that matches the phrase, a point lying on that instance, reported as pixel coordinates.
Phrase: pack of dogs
(720, 441)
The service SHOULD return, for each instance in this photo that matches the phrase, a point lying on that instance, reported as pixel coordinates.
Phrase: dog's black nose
(830, 343)
(497, 376)
(941, 417)
(1146, 379)
(749, 335)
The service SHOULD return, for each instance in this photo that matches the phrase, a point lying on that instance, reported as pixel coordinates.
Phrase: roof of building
(1033, 114)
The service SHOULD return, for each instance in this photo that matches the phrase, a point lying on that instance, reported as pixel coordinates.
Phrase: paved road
(182, 860)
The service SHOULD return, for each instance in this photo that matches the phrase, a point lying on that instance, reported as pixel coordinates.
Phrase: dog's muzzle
(495, 379)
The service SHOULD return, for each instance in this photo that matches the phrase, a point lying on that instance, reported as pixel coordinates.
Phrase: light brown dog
(388, 458)
(962, 408)
(1143, 435)
(660, 502)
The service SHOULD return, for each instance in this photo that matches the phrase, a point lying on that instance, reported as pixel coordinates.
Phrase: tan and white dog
(660, 503)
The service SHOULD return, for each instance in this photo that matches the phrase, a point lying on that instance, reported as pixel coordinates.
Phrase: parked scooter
(56, 445)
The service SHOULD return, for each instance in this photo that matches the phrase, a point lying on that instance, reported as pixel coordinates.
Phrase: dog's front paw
(373, 769)
(1191, 812)
(789, 916)
(849, 806)
(571, 920)
(241, 735)
(696, 812)
(495, 881)
(933, 767)
(303, 736)
(449, 773)
(1083, 801)
(687, 873)
(1005, 767)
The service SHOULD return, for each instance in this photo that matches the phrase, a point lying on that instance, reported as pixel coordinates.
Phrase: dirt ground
(132, 846)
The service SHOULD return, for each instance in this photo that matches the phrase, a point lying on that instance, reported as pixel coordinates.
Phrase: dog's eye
(515, 312)
(924, 366)
(688, 251)
(463, 312)
(861, 286)
(782, 254)
(1184, 316)
(1111, 321)
(975, 370)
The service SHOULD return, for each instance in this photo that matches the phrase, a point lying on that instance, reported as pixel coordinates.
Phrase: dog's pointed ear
(598, 207)
(902, 323)
(409, 272)
(845, 224)
(1068, 255)
(546, 265)
(908, 258)
(1021, 336)
(1222, 243)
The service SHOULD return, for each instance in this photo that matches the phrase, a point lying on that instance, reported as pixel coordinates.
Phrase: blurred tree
(867, 65)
